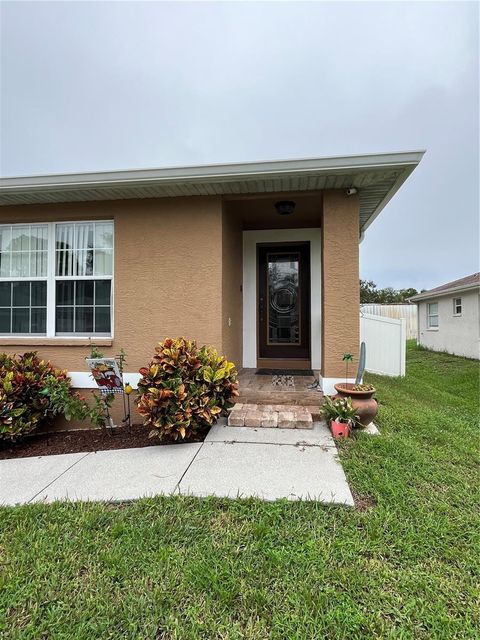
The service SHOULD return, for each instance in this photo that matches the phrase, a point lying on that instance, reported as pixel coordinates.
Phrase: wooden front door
(284, 304)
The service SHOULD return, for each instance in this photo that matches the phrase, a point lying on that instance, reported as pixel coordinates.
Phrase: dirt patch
(363, 503)
(84, 440)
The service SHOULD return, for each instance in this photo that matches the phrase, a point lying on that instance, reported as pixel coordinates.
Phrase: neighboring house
(449, 317)
(258, 259)
(406, 311)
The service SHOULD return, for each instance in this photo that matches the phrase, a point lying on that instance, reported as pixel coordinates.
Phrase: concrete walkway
(232, 462)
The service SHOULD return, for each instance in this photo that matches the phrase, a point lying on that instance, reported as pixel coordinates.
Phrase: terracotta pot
(339, 429)
(363, 402)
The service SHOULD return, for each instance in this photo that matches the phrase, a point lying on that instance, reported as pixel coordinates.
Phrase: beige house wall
(232, 275)
(167, 274)
(167, 278)
(340, 281)
(178, 271)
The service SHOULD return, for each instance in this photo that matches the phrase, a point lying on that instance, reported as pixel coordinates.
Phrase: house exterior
(258, 259)
(449, 317)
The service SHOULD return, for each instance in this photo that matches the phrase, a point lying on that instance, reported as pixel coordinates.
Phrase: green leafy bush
(64, 401)
(185, 389)
(33, 392)
(24, 405)
(340, 410)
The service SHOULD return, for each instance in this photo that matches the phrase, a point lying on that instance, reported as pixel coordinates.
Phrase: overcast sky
(117, 85)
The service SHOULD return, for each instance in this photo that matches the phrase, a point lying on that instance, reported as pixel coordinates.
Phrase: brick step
(282, 416)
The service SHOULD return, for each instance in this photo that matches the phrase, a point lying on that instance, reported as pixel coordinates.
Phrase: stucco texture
(167, 272)
(232, 275)
(456, 334)
(340, 281)
(167, 276)
(178, 272)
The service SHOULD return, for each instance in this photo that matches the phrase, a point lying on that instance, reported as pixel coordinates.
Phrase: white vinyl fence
(407, 311)
(386, 342)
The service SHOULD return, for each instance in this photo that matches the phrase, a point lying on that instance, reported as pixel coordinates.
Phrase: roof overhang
(377, 177)
(426, 295)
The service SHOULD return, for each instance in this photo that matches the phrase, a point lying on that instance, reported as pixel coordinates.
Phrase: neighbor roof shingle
(466, 282)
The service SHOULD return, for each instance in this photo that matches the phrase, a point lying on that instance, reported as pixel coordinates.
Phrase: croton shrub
(33, 392)
(24, 406)
(185, 389)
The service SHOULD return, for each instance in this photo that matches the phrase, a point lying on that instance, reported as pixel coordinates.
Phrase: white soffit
(376, 176)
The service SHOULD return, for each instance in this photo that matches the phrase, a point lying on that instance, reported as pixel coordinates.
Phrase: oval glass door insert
(284, 309)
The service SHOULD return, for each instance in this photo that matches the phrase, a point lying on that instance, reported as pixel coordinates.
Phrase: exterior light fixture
(285, 207)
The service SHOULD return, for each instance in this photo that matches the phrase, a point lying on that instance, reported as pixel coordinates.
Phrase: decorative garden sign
(106, 374)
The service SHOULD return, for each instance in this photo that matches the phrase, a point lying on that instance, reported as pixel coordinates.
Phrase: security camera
(351, 191)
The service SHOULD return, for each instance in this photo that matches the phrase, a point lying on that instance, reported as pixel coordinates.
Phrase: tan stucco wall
(167, 272)
(178, 271)
(340, 282)
(232, 276)
(167, 275)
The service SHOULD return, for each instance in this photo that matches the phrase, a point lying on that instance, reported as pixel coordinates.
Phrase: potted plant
(341, 416)
(362, 400)
(360, 395)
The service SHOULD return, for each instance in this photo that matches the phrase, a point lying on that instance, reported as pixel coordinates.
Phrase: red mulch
(84, 440)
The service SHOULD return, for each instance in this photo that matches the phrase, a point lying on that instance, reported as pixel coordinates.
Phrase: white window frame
(457, 302)
(432, 315)
(51, 280)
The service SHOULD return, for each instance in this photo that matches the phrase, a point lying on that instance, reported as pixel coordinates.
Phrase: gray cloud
(97, 86)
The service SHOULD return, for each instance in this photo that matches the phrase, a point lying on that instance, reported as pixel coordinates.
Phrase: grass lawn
(405, 566)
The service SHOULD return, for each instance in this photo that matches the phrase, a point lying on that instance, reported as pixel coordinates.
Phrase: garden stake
(109, 417)
(347, 357)
(127, 391)
(124, 404)
(126, 411)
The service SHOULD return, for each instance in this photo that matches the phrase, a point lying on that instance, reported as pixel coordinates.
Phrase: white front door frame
(250, 241)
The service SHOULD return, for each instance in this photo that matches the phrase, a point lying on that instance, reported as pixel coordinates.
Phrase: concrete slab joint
(281, 463)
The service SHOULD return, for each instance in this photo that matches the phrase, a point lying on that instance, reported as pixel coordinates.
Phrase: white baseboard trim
(328, 387)
(84, 380)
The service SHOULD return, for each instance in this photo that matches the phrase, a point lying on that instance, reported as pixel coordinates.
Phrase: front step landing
(281, 416)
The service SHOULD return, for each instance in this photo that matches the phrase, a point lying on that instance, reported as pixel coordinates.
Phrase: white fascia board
(446, 292)
(211, 173)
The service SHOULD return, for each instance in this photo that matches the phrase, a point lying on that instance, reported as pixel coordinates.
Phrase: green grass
(405, 567)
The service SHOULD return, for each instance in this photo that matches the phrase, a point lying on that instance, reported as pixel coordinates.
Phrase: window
(432, 315)
(56, 279)
(83, 274)
(23, 307)
(457, 306)
(23, 279)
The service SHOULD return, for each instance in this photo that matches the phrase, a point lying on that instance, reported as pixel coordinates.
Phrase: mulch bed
(80, 441)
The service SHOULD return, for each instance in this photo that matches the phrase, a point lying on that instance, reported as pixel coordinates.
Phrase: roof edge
(211, 171)
(445, 292)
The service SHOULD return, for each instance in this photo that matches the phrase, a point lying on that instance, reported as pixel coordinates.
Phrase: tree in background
(370, 294)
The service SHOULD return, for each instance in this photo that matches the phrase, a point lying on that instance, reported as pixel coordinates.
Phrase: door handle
(261, 308)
